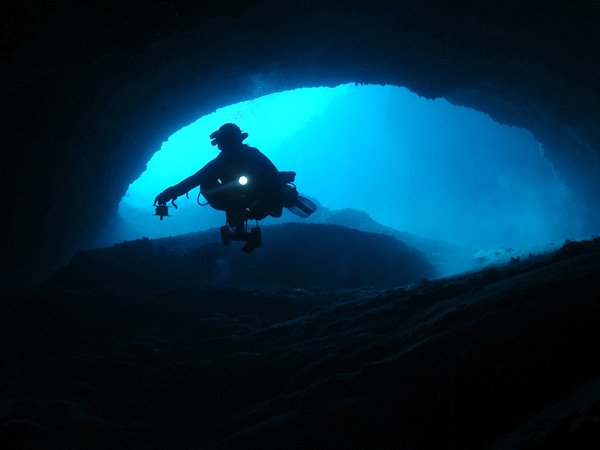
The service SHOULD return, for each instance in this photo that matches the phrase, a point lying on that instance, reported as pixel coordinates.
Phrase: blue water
(417, 165)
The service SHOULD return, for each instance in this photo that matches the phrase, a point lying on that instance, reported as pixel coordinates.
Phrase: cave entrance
(422, 166)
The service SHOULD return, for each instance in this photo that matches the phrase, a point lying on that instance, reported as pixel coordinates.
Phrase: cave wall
(90, 91)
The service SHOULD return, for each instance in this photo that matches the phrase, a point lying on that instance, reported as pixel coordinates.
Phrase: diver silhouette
(242, 182)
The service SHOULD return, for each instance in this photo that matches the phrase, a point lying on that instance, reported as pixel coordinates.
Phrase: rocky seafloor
(103, 357)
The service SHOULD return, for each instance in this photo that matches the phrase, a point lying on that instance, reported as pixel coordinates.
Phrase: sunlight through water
(422, 166)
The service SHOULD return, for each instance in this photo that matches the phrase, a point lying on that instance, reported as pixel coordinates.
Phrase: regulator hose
(198, 199)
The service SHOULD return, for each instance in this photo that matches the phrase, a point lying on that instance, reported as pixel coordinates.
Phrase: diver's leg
(235, 219)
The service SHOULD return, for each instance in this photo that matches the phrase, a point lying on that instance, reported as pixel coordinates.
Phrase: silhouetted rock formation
(294, 255)
(446, 258)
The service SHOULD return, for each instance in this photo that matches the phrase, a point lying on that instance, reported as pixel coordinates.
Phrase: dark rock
(293, 255)
(505, 358)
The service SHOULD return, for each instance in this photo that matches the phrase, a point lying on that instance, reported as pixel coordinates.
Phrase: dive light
(243, 180)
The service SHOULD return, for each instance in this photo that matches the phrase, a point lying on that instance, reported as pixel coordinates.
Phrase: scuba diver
(242, 182)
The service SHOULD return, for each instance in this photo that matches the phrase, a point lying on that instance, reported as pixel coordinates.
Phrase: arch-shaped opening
(421, 166)
(101, 120)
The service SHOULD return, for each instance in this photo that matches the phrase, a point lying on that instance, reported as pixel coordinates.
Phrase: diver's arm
(188, 184)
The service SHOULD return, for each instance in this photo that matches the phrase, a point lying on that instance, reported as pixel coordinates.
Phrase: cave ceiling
(91, 90)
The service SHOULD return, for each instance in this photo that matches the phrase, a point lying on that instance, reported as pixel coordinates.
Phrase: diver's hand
(165, 196)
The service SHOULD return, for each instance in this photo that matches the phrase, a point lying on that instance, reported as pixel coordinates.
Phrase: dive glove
(165, 196)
